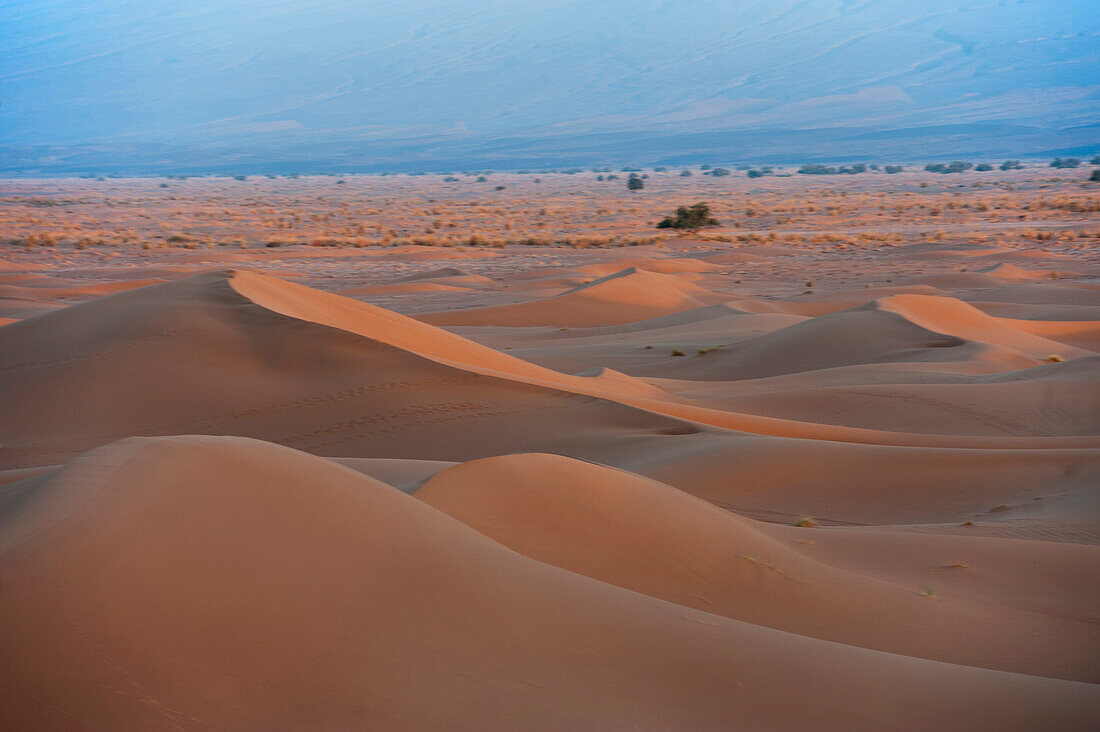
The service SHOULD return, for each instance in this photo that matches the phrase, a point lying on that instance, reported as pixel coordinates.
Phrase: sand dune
(660, 265)
(17, 308)
(251, 355)
(1056, 399)
(680, 485)
(1007, 272)
(651, 538)
(1051, 293)
(777, 478)
(624, 296)
(405, 288)
(363, 607)
(80, 292)
(899, 328)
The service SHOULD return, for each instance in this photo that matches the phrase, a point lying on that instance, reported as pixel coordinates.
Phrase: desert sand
(269, 463)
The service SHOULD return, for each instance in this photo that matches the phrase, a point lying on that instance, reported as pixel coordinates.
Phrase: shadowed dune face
(839, 479)
(216, 354)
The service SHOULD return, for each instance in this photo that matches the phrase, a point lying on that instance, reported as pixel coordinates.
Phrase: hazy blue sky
(303, 71)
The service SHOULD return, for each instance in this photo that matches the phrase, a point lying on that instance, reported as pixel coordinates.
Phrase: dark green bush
(691, 218)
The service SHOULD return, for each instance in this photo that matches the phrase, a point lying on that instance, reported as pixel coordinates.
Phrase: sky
(326, 78)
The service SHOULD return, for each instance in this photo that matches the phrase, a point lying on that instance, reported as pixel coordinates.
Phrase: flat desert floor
(410, 452)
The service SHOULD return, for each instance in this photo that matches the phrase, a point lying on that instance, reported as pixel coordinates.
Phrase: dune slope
(625, 296)
(651, 538)
(245, 354)
(219, 582)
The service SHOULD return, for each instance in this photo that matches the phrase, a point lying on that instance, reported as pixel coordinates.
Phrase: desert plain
(493, 452)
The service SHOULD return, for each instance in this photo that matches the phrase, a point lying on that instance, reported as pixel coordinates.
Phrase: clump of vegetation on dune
(690, 218)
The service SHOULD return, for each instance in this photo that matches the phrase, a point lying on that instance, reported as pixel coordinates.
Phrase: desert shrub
(983, 167)
(685, 173)
(1095, 176)
(691, 218)
(1011, 165)
(1065, 163)
(719, 172)
(635, 183)
(753, 173)
(892, 169)
(817, 169)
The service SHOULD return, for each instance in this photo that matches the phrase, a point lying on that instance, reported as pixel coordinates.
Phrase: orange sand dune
(899, 328)
(247, 354)
(1055, 399)
(1049, 293)
(83, 291)
(625, 296)
(17, 308)
(404, 288)
(1083, 333)
(780, 478)
(252, 355)
(948, 251)
(706, 486)
(450, 276)
(843, 477)
(660, 265)
(651, 538)
(348, 604)
(1011, 273)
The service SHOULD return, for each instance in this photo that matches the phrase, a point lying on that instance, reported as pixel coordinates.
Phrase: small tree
(1095, 177)
(691, 218)
(635, 183)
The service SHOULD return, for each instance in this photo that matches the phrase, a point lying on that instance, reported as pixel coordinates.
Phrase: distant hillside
(374, 84)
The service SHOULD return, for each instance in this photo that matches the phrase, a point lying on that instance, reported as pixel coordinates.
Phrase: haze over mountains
(133, 86)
